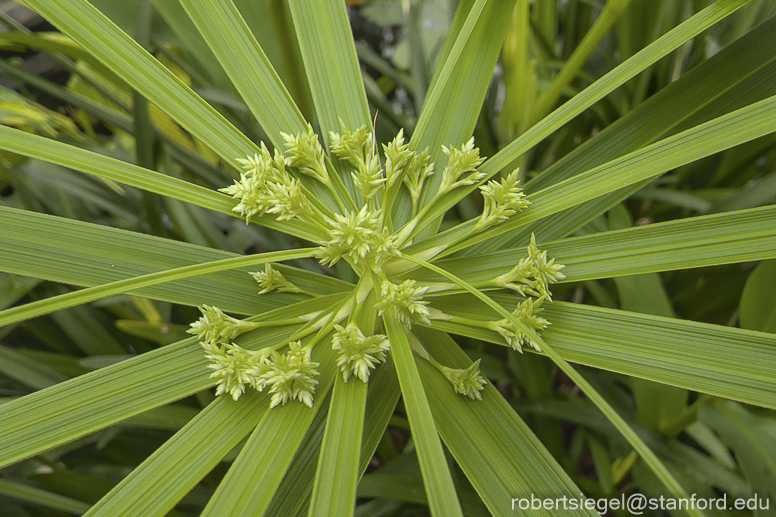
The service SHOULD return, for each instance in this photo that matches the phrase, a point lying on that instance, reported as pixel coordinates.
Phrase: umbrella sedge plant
(307, 369)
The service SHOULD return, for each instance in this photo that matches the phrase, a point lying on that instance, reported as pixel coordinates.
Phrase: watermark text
(637, 504)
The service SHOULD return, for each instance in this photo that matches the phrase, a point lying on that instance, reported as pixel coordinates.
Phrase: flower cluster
(361, 231)
(231, 366)
(358, 148)
(397, 157)
(359, 236)
(531, 277)
(525, 312)
(216, 327)
(502, 200)
(358, 353)
(416, 171)
(273, 280)
(467, 381)
(306, 154)
(407, 299)
(266, 187)
(459, 162)
(533, 274)
(290, 376)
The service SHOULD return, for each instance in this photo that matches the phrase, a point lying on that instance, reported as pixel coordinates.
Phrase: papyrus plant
(296, 355)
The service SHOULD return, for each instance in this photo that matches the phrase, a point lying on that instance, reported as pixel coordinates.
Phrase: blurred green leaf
(758, 303)
(753, 439)
(170, 472)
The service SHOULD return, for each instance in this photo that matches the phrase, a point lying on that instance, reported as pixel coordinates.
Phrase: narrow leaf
(248, 487)
(127, 59)
(723, 361)
(741, 236)
(42, 497)
(330, 61)
(338, 471)
(176, 467)
(722, 133)
(91, 294)
(649, 457)
(440, 490)
(46, 149)
(86, 254)
(595, 92)
(249, 68)
(74, 408)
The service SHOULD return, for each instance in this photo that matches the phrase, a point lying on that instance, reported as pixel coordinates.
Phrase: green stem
(289, 49)
(338, 189)
(336, 194)
(308, 293)
(609, 15)
(99, 292)
(436, 364)
(389, 196)
(316, 221)
(681, 422)
(312, 198)
(253, 325)
(470, 322)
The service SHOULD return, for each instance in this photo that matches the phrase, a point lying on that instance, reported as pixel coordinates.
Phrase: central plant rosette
(361, 232)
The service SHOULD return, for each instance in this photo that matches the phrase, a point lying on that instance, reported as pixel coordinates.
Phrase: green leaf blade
(83, 254)
(726, 362)
(178, 465)
(330, 61)
(249, 68)
(248, 487)
(79, 406)
(128, 60)
(712, 240)
(334, 492)
(594, 93)
(440, 490)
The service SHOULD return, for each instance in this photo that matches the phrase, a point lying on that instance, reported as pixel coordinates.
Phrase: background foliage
(701, 396)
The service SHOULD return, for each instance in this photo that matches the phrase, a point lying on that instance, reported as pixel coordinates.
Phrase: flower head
(290, 376)
(358, 353)
(358, 148)
(231, 365)
(525, 312)
(502, 200)
(547, 272)
(306, 154)
(467, 381)
(459, 162)
(352, 146)
(533, 274)
(249, 192)
(417, 170)
(397, 156)
(358, 235)
(286, 199)
(216, 327)
(407, 298)
(266, 187)
(368, 177)
(271, 279)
